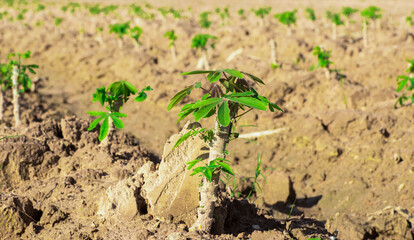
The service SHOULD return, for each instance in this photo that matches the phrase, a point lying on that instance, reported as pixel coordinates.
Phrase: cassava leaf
(250, 102)
(224, 114)
(104, 129)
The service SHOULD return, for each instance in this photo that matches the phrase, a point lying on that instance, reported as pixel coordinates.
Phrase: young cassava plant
(122, 29)
(288, 19)
(310, 14)
(407, 82)
(336, 21)
(172, 38)
(202, 42)
(324, 61)
(115, 96)
(348, 12)
(261, 14)
(370, 13)
(229, 97)
(204, 21)
(15, 76)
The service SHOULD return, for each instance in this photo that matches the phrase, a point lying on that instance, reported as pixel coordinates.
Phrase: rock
(16, 213)
(123, 201)
(52, 215)
(276, 189)
(171, 190)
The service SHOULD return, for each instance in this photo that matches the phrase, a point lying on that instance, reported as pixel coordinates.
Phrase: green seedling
(407, 82)
(310, 14)
(324, 61)
(257, 173)
(114, 97)
(348, 12)
(336, 21)
(370, 13)
(20, 15)
(261, 14)
(140, 12)
(241, 13)
(58, 21)
(122, 29)
(229, 97)
(202, 41)
(72, 7)
(165, 12)
(224, 15)
(40, 7)
(204, 22)
(96, 9)
(172, 38)
(14, 75)
(410, 19)
(288, 19)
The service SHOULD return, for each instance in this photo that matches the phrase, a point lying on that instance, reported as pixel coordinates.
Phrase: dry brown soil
(342, 162)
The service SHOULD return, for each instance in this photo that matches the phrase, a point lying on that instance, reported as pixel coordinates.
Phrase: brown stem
(16, 106)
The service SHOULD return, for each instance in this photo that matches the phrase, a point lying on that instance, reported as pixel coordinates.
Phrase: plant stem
(334, 31)
(1, 104)
(273, 53)
(205, 59)
(173, 54)
(16, 107)
(209, 190)
(365, 32)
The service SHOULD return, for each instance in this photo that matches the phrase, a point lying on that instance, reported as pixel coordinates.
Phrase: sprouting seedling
(122, 29)
(135, 34)
(336, 21)
(15, 73)
(310, 14)
(115, 96)
(287, 18)
(407, 82)
(229, 97)
(261, 13)
(202, 41)
(20, 15)
(58, 21)
(257, 173)
(72, 6)
(204, 22)
(348, 12)
(410, 19)
(241, 13)
(40, 7)
(324, 61)
(224, 15)
(166, 11)
(140, 12)
(96, 9)
(370, 13)
(172, 38)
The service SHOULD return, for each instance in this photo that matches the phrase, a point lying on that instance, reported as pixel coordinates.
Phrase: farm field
(337, 163)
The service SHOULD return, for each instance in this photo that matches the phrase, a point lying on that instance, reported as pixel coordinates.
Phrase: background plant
(202, 41)
(229, 93)
(310, 14)
(261, 13)
(140, 12)
(224, 15)
(372, 13)
(336, 21)
(407, 82)
(324, 61)
(287, 18)
(115, 96)
(348, 12)
(122, 29)
(171, 38)
(203, 20)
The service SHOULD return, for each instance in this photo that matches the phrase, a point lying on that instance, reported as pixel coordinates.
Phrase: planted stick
(1, 104)
(365, 32)
(16, 106)
(262, 133)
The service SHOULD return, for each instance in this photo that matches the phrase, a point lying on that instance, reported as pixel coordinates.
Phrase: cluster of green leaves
(3, 14)
(410, 19)
(262, 12)
(140, 12)
(229, 93)
(171, 37)
(336, 19)
(371, 12)
(97, 9)
(323, 57)
(117, 94)
(241, 12)
(348, 11)
(204, 22)
(199, 41)
(310, 14)
(23, 78)
(40, 7)
(287, 18)
(220, 164)
(122, 29)
(406, 81)
(165, 11)
(224, 14)
(20, 15)
(72, 6)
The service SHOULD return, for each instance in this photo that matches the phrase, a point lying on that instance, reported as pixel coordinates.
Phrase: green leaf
(95, 113)
(197, 72)
(117, 122)
(208, 174)
(179, 96)
(198, 170)
(233, 73)
(192, 163)
(225, 167)
(95, 122)
(241, 94)
(197, 85)
(224, 114)
(185, 113)
(104, 129)
(141, 97)
(118, 114)
(202, 112)
(130, 87)
(250, 102)
(147, 88)
(213, 76)
(401, 83)
(254, 78)
(208, 101)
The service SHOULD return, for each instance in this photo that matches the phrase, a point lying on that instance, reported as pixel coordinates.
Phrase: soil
(339, 168)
